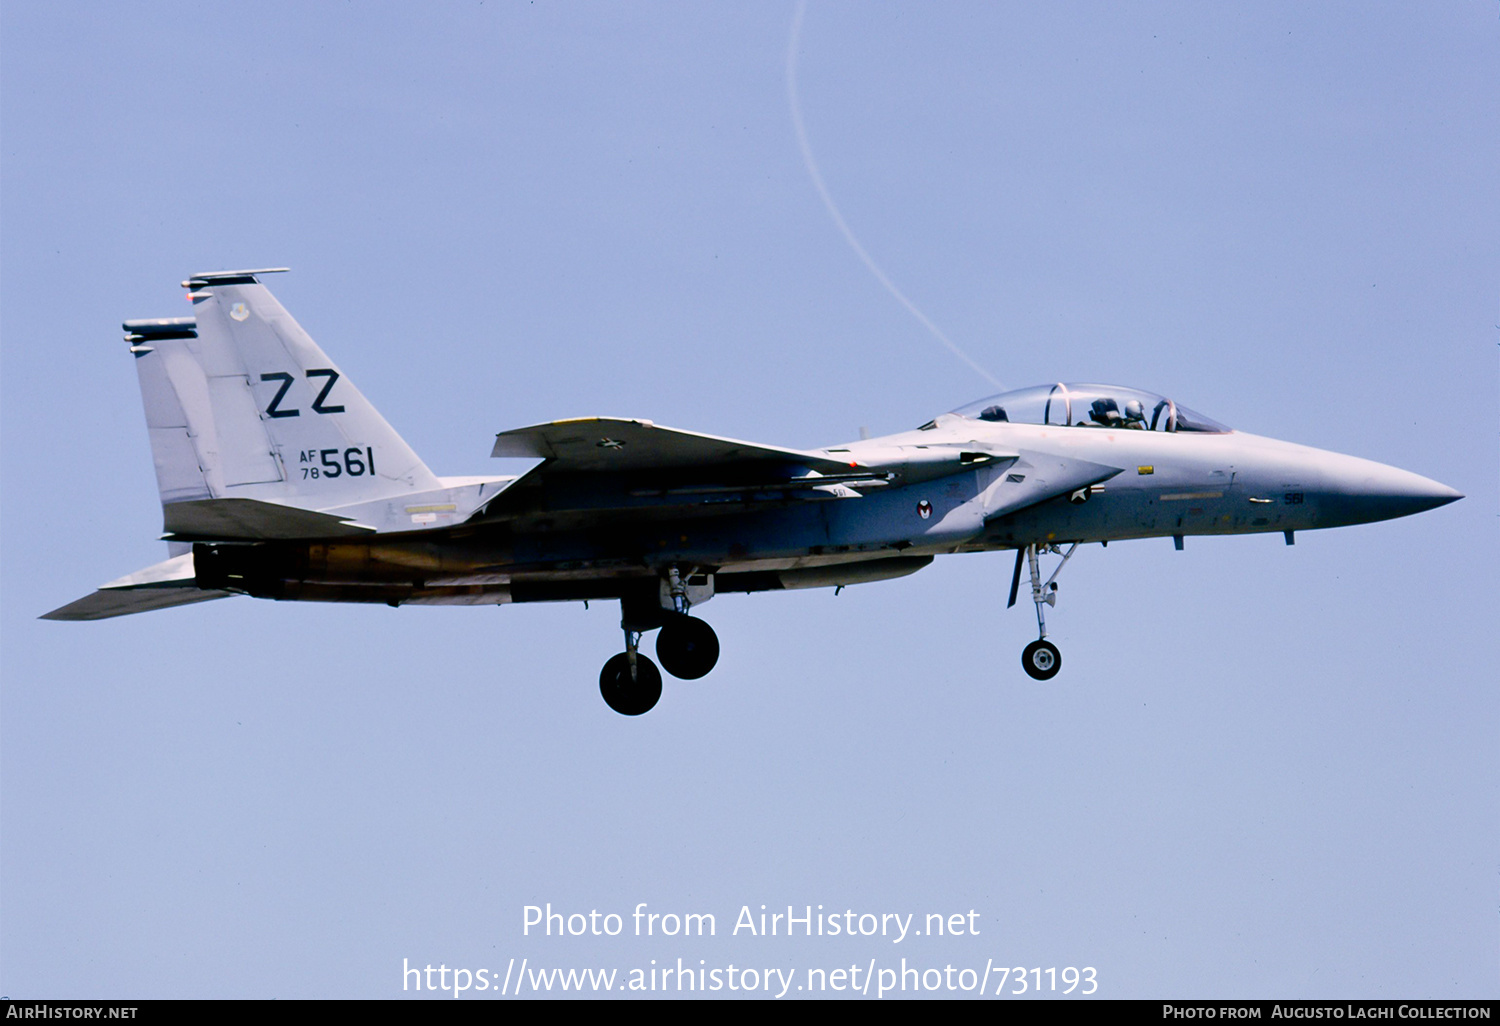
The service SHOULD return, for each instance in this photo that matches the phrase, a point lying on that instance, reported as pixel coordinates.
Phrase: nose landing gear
(1041, 660)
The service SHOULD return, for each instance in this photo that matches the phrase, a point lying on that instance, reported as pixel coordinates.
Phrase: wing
(594, 466)
(616, 444)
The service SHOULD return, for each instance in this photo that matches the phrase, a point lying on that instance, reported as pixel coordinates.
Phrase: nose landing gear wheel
(625, 696)
(687, 647)
(1041, 659)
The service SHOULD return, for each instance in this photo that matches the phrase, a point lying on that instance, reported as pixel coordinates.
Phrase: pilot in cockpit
(1104, 412)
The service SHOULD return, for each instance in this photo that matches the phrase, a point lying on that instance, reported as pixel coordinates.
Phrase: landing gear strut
(687, 647)
(1041, 660)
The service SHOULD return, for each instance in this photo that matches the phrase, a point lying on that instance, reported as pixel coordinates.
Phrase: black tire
(625, 696)
(1041, 659)
(687, 647)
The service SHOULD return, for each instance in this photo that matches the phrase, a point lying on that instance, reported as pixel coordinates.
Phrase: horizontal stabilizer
(105, 603)
(165, 584)
(251, 520)
(616, 444)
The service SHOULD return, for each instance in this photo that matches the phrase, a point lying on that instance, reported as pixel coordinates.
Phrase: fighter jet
(279, 480)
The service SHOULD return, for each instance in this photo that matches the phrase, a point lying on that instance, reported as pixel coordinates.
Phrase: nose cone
(1360, 491)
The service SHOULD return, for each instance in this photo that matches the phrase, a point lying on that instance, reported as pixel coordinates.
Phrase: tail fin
(242, 404)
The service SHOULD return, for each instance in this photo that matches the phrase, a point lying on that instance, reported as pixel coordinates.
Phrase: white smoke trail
(838, 218)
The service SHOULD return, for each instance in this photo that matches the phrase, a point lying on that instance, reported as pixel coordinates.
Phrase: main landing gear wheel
(687, 647)
(1041, 659)
(627, 696)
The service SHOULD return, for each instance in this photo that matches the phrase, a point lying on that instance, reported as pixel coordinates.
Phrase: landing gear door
(699, 589)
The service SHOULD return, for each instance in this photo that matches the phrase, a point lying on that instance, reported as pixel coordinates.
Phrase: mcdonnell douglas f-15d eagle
(279, 480)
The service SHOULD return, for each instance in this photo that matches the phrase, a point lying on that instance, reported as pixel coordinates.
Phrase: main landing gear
(1041, 660)
(687, 647)
(629, 682)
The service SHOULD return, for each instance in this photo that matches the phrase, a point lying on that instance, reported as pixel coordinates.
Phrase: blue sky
(1263, 771)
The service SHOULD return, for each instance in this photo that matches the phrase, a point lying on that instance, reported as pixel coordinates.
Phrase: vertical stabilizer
(241, 403)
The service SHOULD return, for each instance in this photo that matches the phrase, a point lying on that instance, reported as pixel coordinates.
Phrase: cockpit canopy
(1109, 406)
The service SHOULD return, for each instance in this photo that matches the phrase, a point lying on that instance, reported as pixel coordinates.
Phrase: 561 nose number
(355, 462)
